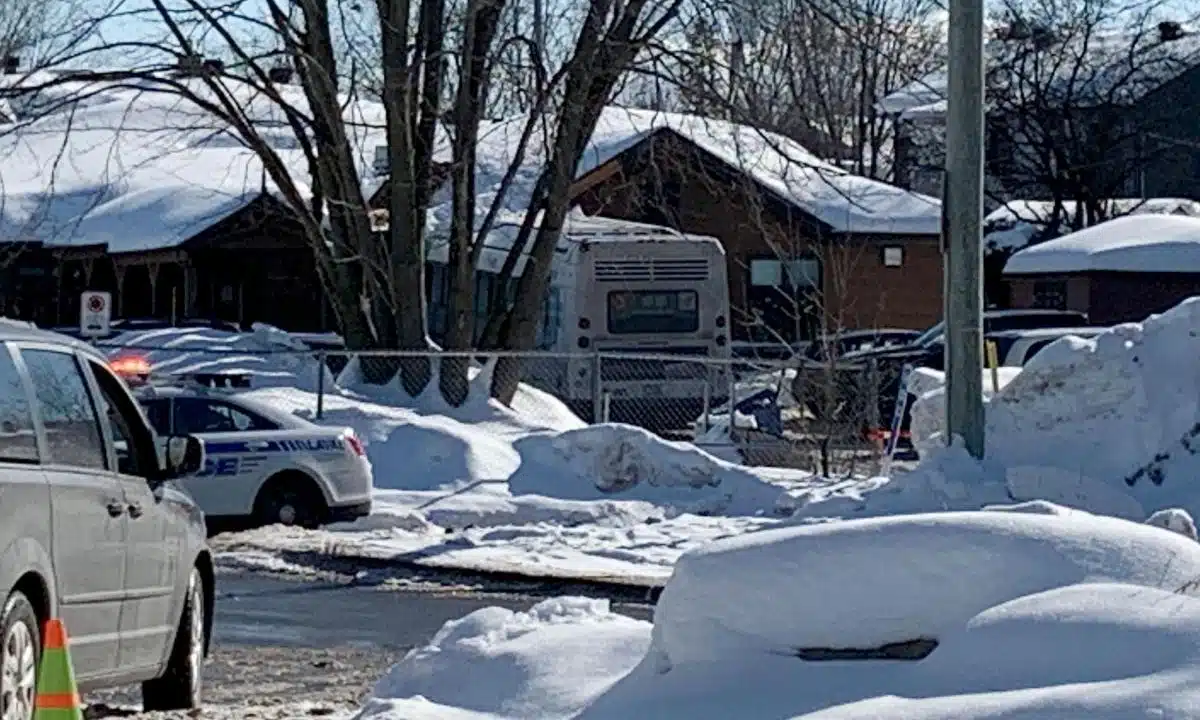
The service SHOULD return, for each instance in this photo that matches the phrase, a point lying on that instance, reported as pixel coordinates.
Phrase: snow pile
(268, 356)
(562, 652)
(622, 461)
(1175, 520)
(1036, 613)
(1109, 424)
(527, 489)
(928, 387)
(872, 582)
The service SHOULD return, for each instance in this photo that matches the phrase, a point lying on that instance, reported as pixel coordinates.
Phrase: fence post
(732, 404)
(873, 378)
(598, 414)
(606, 402)
(320, 384)
(707, 399)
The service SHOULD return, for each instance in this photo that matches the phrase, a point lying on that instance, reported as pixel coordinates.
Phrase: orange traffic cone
(57, 695)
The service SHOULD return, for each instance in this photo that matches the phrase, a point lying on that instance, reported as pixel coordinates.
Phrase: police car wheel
(290, 499)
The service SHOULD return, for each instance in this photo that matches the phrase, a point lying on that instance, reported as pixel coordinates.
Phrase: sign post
(95, 314)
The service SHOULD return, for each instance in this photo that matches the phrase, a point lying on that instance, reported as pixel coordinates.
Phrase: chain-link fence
(759, 412)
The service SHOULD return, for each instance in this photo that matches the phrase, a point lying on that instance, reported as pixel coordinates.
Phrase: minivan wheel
(179, 687)
(19, 656)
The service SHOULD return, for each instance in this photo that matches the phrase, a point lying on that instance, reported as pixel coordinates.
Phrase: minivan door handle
(115, 509)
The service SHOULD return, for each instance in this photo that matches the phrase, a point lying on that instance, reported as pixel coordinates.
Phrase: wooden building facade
(252, 266)
(791, 276)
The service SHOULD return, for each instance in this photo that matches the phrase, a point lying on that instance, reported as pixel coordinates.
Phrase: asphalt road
(286, 649)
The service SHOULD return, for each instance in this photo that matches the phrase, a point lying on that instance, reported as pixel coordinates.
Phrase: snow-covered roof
(141, 170)
(1133, 243)
(1041, 211)
(843, 201)
(1018, 222)
(925, 90)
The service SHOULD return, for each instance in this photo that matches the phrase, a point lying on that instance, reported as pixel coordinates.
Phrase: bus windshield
(653, 311)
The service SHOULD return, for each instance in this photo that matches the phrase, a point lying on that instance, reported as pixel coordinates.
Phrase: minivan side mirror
(184, 456)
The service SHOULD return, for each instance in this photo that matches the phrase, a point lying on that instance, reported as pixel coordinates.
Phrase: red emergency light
(131, 367)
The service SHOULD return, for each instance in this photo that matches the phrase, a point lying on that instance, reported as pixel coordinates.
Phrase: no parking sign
(95, 314)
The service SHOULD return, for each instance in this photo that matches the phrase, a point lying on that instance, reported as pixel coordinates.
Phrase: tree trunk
(399, 264)
(482, 18)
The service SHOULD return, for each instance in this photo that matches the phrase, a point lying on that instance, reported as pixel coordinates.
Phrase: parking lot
(285, 648)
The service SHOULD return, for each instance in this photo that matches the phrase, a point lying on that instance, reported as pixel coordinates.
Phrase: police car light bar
(133, 368)
(137, 372)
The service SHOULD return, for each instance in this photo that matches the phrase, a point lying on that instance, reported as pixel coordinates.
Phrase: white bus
(625, 298)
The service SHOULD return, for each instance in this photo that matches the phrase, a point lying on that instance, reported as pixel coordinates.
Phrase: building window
(802, 273)
(1050, 294)
(893, 256)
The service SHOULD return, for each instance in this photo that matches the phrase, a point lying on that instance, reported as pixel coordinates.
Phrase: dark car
(929, 349)
(847, 343)
(877, 371)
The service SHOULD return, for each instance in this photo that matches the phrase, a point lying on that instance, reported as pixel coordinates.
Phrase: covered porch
(254, 266)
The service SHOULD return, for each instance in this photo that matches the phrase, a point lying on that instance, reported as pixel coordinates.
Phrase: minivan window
(158, 412)
(18, 440)
(134, 444)
(68, 416)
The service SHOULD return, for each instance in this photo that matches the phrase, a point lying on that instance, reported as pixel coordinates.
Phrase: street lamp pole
(963, 220)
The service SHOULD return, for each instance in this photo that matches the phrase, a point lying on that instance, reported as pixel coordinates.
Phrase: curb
(381, 570)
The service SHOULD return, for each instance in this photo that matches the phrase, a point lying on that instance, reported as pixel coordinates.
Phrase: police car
(261, 464)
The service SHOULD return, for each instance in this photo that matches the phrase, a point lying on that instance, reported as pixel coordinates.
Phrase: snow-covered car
(1014, 348)
(263, 464)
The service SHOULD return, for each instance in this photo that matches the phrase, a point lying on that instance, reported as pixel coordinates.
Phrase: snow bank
(531, 408)
(929, 408)
(526, 489)
(622, 461)
(537, 447)
(868, 583)
(268, 355)
(1109, 424)
(545, 663)
(1040, 612)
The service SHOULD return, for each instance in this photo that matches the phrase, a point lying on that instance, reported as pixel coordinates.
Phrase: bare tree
(610, 39)
(1085, 97)
(812, 70)
(1073, 93)
(36, 35)
(482, 22)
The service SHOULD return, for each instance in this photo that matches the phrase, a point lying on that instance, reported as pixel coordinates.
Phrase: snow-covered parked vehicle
(263, 465)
